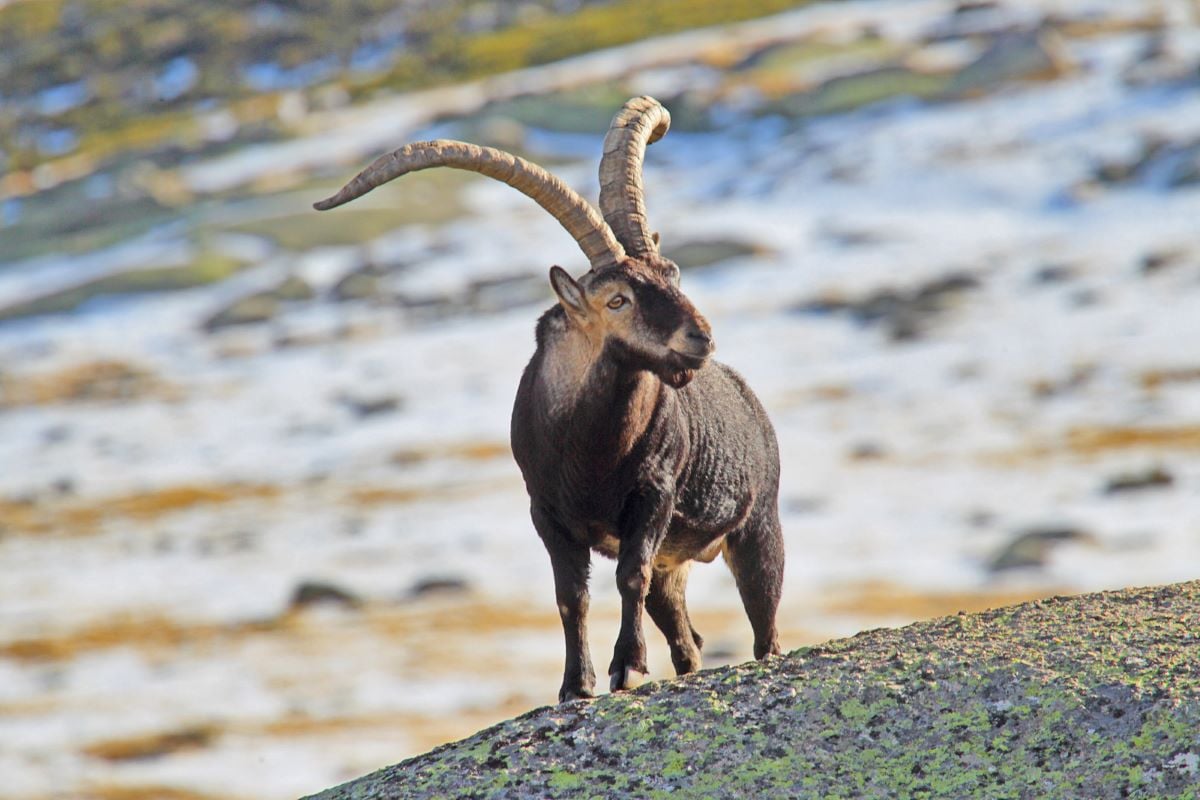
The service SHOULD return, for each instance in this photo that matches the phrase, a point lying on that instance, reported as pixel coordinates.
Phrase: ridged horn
(640, 122)
(574, 213)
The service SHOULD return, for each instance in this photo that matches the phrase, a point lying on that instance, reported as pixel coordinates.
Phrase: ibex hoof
(567, 695)
(627, 678)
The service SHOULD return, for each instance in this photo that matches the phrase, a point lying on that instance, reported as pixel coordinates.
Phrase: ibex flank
(632, 441)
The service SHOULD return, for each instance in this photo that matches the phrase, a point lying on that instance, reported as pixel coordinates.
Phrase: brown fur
(635, 445)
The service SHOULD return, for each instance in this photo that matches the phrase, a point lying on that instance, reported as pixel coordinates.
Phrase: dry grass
(1095, 26)
(93, 382)
(28, 707)
(1155, 379)
(153, 745)
(1088, 441)
(82, 516)
(380, 495)
(76, 517)
(460, 618)
(814, 395)
(445, 620)
(463, 451)
(299, 724)
(883, 600)
(150, 505)
(147, 792)
(145, 633)
(395, 495)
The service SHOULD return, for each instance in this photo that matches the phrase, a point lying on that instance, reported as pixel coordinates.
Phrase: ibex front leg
(643, 526)
(570, 562)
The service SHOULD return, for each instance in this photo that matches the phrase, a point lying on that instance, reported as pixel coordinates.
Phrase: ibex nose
(701, 339)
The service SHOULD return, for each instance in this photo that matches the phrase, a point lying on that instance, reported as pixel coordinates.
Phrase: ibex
(631, 440)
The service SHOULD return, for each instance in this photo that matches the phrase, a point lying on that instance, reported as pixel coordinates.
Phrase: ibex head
(629, 302)
(637, 317)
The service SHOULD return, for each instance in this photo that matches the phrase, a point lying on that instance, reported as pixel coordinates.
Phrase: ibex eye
(617, 302)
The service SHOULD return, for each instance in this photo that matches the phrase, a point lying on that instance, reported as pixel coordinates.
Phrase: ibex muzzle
(632, 441)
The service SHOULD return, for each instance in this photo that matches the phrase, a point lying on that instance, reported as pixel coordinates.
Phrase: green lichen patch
(205, 269)
(424, 198)
(1093, 696)
(848, 92)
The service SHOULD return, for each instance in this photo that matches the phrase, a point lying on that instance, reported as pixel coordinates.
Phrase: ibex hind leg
(755, 556)
(668, 608)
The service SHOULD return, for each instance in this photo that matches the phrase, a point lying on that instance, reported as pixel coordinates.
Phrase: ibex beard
(632, 441)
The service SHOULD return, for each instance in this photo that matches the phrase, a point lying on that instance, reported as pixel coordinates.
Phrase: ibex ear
(570, 293)
(655, 237)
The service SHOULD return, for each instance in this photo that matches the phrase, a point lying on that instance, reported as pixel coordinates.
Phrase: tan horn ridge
(640, 122)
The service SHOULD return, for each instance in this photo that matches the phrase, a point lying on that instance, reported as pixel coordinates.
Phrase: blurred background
(260, 529)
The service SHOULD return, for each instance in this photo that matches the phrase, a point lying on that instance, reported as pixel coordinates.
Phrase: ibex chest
(590, 493)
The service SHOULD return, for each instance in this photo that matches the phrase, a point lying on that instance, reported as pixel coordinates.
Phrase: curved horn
(574, 213)
(641, 121)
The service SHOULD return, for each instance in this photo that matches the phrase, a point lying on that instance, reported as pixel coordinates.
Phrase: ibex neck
(604, 409)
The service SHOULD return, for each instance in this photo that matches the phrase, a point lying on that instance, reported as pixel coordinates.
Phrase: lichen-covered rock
(1094, 696)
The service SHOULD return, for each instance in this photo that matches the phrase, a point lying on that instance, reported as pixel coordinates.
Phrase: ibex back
(631, 440)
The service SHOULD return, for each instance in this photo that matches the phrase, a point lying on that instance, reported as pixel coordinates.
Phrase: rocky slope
(1091, 696)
